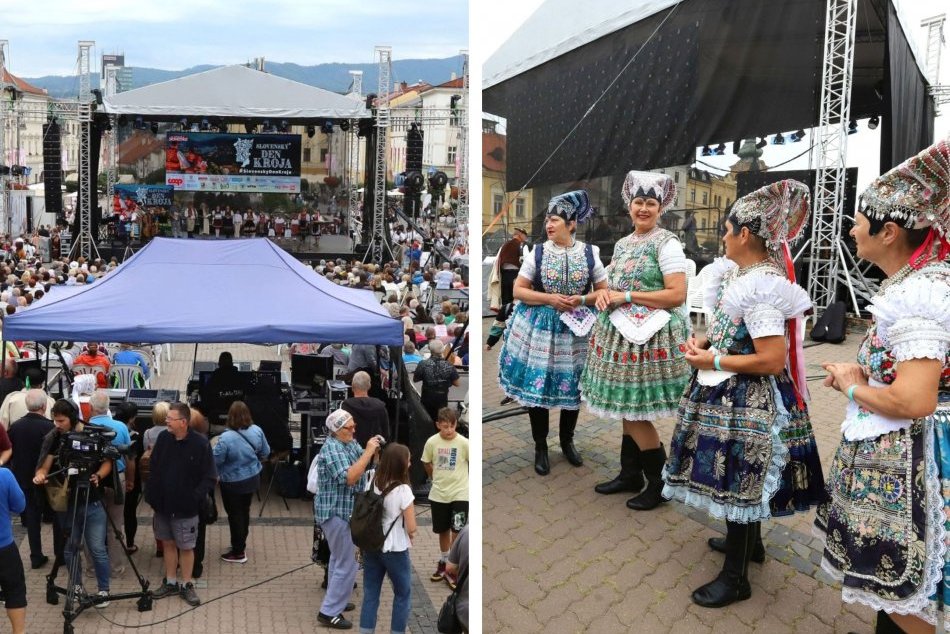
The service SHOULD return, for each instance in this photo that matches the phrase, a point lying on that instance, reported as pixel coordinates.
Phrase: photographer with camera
(341, 466)
(81, 516)
(181, 474)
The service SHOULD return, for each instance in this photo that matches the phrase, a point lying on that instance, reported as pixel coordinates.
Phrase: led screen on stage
(129, 197)
(204, 161)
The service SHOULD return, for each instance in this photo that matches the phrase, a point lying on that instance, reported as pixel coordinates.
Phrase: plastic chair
(125, 376)
(690, 268)
(695, 289)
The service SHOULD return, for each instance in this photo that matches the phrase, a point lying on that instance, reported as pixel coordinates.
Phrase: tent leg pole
(194, 361)
(401, 367)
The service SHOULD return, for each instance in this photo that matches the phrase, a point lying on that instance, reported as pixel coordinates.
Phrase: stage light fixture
(797, 136)
(720, 150)
(778, 139)
(371, 101)
(762, 143)
(345, 125)
(873, 122)
(311, 130)
(139, 123)
(205, 125)
(249, 127)
(853, 127)
(97, 93)
(454, 101)
(154, 127)
(706, 151)
(284, 126)
(327, 127)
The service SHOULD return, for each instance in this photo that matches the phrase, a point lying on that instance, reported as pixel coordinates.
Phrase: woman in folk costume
(636, 369)
(885, 527)
(545, 342)
(743, 449)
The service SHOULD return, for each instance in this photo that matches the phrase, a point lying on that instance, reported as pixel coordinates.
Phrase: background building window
(676, 177)
(323, 155)
(306, 155)
(705, 198)
(452, 152)
(497, 202)
(692, 195)
(519, 208)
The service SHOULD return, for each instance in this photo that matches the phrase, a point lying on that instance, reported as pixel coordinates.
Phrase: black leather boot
(653, 461)
(568, 424)
(732, 584)
(885, 624)
(539, 432)
(758, 548)
(630, 478)
(542, 465)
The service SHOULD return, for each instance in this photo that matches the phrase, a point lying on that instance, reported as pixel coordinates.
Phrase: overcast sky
(492, 30)
(174, 34)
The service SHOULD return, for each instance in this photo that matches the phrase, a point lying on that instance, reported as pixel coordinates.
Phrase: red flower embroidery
(633, 358)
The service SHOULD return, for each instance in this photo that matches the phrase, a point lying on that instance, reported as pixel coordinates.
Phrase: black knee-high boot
(732, 584)
(630, 477)
(758, 548)
(652, 496)
(539, 432)
(886, 625)
(568, 424)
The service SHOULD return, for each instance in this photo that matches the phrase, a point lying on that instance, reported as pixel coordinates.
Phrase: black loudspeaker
(830, 327)
(414, 145)
(52, 169)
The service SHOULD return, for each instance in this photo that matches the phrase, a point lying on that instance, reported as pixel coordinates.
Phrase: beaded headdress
(655, 185)
(776, 213)
(915, 194)
(570, 206)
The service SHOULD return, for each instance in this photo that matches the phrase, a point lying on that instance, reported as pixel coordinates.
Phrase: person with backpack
(398, 526)
(543, 356)
(636, 366)
(341, 469)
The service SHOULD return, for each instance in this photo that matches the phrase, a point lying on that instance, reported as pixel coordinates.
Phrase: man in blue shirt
(100, 416)
(127, 356)
(12, 578)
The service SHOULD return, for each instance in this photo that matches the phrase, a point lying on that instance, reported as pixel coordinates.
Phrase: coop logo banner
(131, 196)
(196, 161)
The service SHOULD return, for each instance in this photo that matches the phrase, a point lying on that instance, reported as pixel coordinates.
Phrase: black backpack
(366, 523)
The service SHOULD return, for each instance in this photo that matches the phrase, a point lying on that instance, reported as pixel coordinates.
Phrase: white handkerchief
(580, 320)
(709, 378)
(638, 324)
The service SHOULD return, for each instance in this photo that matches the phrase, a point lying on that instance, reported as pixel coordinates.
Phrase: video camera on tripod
(81, 452)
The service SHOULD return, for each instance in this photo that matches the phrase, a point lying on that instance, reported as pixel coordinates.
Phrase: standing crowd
(743, 449)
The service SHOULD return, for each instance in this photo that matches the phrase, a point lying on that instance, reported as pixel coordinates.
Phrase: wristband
(716, 362)
(850, 392)
(627, 297)
(583, 300)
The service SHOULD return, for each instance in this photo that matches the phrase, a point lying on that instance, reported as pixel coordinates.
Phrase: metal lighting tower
(4, 220)
(112, 154)
(935, 41)
(84, 244)
(351, 181)
(462, 215)
(379, 239)
(830, 151)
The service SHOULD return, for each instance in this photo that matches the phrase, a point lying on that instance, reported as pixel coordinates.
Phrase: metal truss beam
(462, 212)
(379, 239)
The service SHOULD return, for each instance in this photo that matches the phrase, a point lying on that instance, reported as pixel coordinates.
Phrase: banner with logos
(128, 198)
(206, 161)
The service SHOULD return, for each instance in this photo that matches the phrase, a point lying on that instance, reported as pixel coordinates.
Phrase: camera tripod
(76, 601)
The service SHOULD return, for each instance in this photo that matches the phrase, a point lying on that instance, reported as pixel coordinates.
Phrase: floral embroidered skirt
(541, 361)
(744, 450)
(627, 381)
(885, 527)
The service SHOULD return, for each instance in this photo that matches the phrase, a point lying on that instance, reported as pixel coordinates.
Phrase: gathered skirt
(541, 361)
(624, 380)
(885, 526)
(744, 450)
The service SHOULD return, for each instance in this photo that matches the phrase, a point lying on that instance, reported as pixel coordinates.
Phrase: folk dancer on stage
(886, 526)
(546, 339)
(743, 449)
(636, 368)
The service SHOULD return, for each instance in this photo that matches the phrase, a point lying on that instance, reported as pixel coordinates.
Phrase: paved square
(560, 558)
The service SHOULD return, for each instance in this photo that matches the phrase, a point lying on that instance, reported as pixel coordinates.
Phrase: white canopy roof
(558, 27)
(235, 91)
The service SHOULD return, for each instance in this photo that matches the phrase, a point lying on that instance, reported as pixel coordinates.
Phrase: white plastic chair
(695, 289)
(690, 269)
(124, 376)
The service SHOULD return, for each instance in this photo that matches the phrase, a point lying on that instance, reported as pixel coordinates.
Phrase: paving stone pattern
(557, 557)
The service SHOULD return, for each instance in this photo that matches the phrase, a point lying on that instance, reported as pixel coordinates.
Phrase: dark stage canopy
(709, 72)
(206, 291)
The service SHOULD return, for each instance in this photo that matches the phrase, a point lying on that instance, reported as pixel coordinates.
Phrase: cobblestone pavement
(558, 557)
(277, 590)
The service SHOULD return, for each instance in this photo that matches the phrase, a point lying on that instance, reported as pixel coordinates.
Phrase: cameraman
(88, 513)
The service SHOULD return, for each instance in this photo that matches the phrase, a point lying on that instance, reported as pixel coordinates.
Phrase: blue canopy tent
(198, 291)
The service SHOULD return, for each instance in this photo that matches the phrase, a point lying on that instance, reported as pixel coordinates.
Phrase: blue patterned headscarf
(570, 206)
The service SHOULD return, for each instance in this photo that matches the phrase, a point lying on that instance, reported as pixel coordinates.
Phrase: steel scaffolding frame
(379, 240)
(935, 41)
(83, 244)
(350, 178)
(111, 136)
(826, 252)
(462, 212)
(4, 220)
